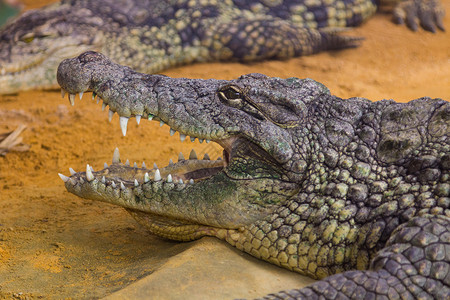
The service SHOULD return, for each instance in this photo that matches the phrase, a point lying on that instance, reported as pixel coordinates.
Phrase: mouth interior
(184, 171)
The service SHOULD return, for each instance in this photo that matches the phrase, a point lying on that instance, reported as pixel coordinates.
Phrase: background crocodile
(152, 35)
(309, 182)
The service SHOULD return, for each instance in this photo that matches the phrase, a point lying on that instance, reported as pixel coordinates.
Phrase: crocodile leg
(429, 13)
(413, 265)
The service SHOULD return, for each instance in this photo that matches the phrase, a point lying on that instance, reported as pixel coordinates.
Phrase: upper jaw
(133, 94)
(189, 106)
(185, 132)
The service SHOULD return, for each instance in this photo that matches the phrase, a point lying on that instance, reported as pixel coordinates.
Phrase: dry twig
(12, 141)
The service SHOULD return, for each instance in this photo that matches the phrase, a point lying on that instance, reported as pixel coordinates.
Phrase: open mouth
(193, 196)
(143, 190)
(123, 175)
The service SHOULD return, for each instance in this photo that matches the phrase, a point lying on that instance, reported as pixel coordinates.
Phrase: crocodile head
(32, 45)
(248, 117)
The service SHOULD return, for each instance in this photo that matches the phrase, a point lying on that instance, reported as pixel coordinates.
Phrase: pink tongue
(226, 158)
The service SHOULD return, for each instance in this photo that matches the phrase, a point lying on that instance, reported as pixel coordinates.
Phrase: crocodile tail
(332, 39)
(254, 40)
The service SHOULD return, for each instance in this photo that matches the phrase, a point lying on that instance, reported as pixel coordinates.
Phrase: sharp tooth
(63, 93)
(146, 177)
(157, 175)
(155, 166)
(219, 158)
(182, 137)
(92, 169)
(150, 117)
(200, 140)
(192, 155)
(161, 123)
(143, 165)
(103, 179)
(103, 108)
(116, 156)
(98, 100)
(170, 162)
(81, 95)
(72, 99)
(169, 178)
(136, 183)
(138, 119)
(127, 163)
(123, 125)
(110, 115)
(63, 177)
(89, 175)
(180, 181)
(105, 165)
(191, 181)
(172, 132)
(72, 171)
(94, 95)
(192, 139)
(207, 141)
(180, 156)
(206, 157)
(122, 186)
(113, 184)
(135, 165)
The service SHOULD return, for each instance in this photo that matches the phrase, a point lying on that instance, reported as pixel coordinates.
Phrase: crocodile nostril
(89, 56)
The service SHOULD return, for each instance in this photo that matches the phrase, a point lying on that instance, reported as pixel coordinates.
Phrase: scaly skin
(310, 182)
(151, 35)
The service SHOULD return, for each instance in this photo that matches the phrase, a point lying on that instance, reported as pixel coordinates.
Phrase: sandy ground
(55, 245)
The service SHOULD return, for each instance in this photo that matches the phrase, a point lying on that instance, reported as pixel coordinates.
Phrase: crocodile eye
(231, 94)
(27, 38)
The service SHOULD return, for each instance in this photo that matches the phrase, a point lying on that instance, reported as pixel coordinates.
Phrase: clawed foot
(429, 13)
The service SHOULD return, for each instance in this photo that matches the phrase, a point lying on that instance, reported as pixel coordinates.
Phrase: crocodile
(348, 191)
(152, 35)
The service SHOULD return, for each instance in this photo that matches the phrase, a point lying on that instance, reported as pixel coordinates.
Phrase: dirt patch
(55, 245)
